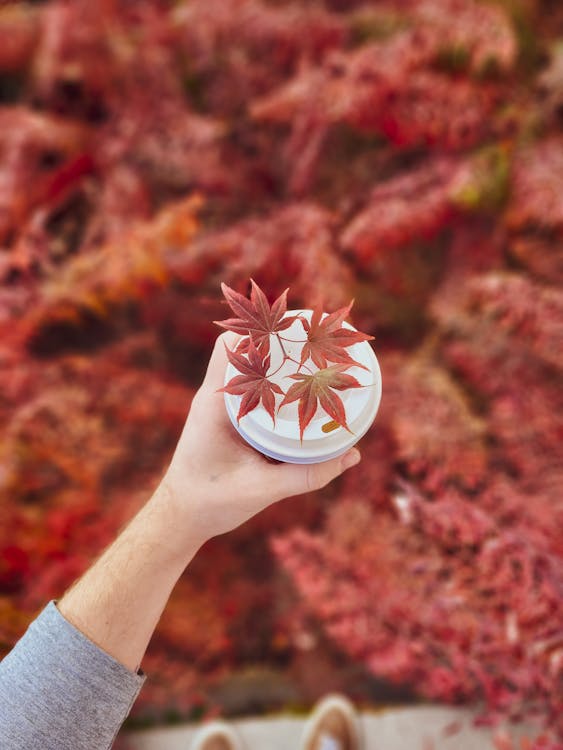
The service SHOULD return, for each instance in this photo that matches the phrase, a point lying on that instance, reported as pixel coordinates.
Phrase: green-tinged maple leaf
(327, 340)
(256, 318)
(253, 384)
(312, 390)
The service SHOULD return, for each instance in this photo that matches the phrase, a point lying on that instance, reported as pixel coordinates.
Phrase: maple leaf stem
(292, 341)
(275, 372)
(302, 364)
(287, 358)
(282, 347)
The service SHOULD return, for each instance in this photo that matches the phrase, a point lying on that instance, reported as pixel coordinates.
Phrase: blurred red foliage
(405, 153)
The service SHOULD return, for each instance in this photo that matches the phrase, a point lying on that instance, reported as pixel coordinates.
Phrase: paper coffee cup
(322, 440)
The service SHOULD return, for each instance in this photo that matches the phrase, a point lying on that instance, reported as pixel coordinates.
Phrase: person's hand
(218, 480)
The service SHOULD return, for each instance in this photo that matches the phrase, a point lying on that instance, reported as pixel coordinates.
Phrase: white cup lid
(322, 439)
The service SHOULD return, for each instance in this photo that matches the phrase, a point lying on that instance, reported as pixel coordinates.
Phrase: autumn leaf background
(404, 154)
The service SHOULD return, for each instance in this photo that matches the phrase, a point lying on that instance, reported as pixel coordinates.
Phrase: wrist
(176, 506)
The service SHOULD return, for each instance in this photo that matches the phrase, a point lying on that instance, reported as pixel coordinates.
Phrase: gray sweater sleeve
(59, 691)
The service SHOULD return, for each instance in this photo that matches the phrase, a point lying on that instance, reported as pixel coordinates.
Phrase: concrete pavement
(418, 728)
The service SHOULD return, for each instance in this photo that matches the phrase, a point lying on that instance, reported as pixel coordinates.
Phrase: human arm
(214, 483)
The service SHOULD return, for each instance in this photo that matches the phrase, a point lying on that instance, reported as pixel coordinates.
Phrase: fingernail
(351, 459)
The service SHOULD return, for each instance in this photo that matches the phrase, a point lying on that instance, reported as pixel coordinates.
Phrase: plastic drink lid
(323, 439)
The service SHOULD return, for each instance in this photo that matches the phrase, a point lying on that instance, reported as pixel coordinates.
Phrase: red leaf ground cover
(405, 154)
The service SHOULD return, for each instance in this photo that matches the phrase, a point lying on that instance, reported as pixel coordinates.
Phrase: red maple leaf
(257, 319)
(253, 384)
(318, 388)
(327, 340)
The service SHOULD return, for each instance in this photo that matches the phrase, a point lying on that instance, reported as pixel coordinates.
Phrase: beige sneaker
(217, 735)
(333, 725)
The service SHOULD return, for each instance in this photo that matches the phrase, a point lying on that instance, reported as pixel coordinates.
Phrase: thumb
(295, 479)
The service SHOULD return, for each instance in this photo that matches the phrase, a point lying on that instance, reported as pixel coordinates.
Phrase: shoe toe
(217, 735)
(333, 725)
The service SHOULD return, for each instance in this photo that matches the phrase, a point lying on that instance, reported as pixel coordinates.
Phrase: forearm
(119, 600)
